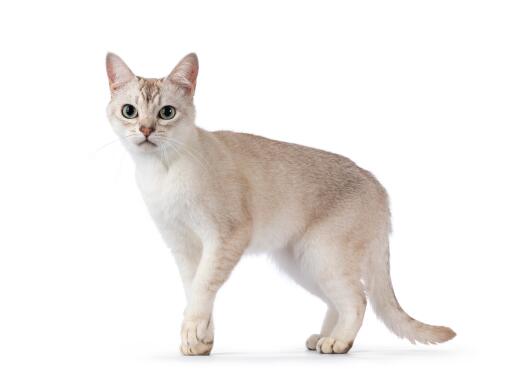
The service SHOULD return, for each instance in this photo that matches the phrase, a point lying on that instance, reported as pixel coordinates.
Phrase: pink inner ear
(112, 78)
(184, 79)
(118, 72)
(111, 73)
(185, 73)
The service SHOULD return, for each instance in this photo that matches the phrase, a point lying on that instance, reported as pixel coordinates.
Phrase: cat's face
(150, 115)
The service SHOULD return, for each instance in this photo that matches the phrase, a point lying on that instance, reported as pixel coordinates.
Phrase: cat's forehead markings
(149, 88)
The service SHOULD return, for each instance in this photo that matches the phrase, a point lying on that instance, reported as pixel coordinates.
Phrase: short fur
(217, 195)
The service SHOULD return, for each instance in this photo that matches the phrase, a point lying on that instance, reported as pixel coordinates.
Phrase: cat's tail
(387, 308)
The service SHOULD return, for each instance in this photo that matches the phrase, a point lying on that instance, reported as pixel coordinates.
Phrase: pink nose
(146, 131)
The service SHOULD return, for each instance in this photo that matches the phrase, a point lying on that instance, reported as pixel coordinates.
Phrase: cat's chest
(170, 193)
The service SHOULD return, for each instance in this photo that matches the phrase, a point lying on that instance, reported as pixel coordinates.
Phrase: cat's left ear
(184, 75)
(118, 72)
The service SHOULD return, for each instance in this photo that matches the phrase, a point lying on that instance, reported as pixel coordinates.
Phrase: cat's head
(149, 115)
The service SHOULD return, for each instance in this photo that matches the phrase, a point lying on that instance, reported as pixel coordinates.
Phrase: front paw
(196, 337)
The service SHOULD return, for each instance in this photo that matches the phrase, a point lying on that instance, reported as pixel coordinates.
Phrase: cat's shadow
(301, 356)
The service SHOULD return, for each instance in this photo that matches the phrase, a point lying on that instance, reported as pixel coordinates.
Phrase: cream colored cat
(217, 195)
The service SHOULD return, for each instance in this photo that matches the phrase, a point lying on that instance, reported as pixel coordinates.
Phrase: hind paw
(312, 341)
(330, 345)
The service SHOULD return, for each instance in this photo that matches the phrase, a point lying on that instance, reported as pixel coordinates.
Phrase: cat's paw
(312, 341)
(331, 345)
(196, 337)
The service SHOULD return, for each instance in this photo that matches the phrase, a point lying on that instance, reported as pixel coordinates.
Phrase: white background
(418, 92)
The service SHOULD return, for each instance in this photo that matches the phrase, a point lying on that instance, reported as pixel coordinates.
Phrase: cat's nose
(146, 131)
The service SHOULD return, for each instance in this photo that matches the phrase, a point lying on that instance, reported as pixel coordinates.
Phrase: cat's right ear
(118, 72)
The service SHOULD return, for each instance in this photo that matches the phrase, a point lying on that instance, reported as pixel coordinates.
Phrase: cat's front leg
(217, 262)
(187, 264)
(186, 249)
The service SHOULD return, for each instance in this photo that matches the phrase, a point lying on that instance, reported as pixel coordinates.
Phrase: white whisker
(176, 145)
(196, 157)
(105, 146)
(118, 140)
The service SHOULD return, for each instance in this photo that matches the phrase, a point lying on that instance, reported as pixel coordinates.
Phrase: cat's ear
(184, 75)
(118, 72)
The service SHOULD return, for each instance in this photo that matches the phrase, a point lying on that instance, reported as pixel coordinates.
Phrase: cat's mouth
(147, 142)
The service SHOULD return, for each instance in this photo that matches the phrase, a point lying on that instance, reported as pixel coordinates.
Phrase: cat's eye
(129, 111)
(167, 112)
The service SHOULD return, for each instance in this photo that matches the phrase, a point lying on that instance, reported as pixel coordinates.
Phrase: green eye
(129, 111)
(167, 112)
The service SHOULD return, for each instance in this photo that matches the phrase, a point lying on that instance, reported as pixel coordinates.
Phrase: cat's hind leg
(334, 267)
(350, 302)
(330, 320)
(290, 263)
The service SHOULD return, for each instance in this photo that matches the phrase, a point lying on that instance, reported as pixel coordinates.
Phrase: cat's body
(217, 195)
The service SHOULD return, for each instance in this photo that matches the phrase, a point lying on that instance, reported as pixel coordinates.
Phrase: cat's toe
(196, 337)
(331, 345)
(197, 349)
(312, 341)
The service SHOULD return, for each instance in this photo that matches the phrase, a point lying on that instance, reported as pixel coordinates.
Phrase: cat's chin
(143, 147)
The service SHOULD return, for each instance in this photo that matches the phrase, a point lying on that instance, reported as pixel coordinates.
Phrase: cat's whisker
(163, 146)
(165, 156)
(105, 146)
(174, 148)
(168, 143)
(162, 156)
(181, 145)
(118, 140)
(175, 151)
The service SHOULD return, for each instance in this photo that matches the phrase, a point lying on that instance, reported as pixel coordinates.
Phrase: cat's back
(292, 159)
(258, 148)
(300, 172)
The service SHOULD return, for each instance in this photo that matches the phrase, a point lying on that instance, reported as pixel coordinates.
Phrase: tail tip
(432, 334)
(445, 334)
(440, 334)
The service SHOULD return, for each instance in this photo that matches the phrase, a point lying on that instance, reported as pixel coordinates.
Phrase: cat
(217, 195)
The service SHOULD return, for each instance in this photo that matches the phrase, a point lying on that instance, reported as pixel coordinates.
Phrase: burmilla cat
(216, 195)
